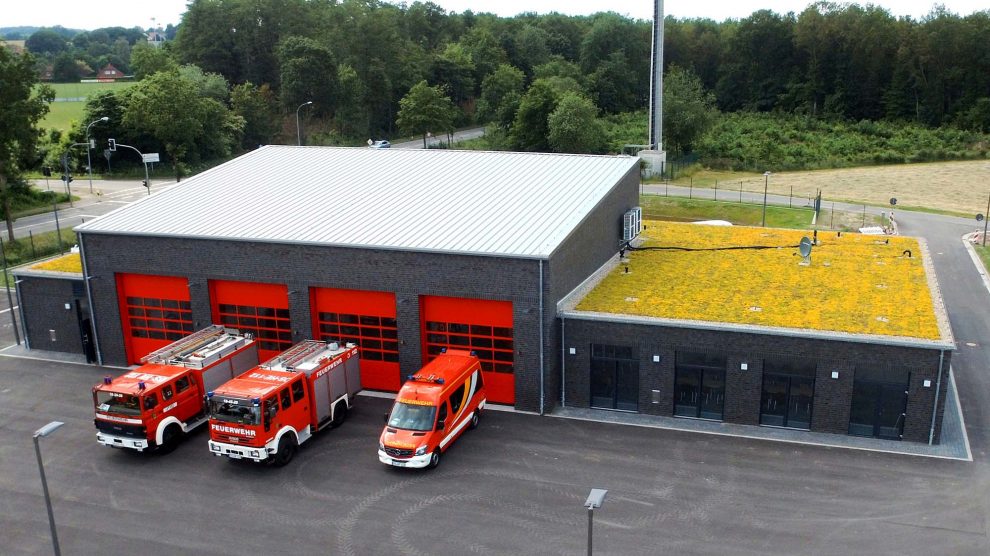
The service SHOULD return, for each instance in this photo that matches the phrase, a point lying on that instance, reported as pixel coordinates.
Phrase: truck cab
(266, 413)
(432, 409)
(154, 405)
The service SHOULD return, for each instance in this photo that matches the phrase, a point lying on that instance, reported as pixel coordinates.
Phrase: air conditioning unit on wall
(632, 223)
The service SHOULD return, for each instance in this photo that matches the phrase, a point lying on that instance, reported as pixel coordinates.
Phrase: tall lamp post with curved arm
(298, 131)
(89, 160)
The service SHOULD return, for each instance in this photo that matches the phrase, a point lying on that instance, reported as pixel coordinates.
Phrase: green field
(62, 114)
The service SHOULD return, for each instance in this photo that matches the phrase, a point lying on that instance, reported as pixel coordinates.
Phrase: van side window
(456, 398)
(297, 391)
(182, 384)
(442, 415)
(167, 393)
(286, 400)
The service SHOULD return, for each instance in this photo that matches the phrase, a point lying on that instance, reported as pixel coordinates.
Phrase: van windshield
(412, 417)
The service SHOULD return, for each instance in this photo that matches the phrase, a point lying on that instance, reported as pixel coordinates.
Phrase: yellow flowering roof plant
(859, 284)
(67, 263)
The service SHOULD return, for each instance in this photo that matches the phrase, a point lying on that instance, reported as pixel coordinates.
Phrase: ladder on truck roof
(298, 354)
(185, 346)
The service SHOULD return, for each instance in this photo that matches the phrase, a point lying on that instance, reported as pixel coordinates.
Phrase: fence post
(716, 190)
(791, 198)
(691, 188)
(831, 219)
(31, 237)
(740, 191)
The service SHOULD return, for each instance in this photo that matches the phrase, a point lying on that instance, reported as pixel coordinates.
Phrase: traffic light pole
(147, 181)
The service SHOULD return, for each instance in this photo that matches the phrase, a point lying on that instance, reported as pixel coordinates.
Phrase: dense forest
(548, 82)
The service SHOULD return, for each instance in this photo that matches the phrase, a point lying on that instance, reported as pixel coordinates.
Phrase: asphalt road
(514, 486)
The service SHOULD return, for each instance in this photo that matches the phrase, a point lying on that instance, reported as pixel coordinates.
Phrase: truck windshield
(412, 417)
(242, 412)
(115, 402)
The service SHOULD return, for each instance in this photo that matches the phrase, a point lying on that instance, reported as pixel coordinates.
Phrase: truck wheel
(170, 439)
(474, 419)
(339, 414)
(286, 449)
(435, 459)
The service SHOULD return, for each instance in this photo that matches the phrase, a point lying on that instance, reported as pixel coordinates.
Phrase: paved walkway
(955, 444)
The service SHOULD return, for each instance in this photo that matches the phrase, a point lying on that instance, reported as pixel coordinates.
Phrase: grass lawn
(984, 253)
(62, 114)
(75, 90)
(953, 187)
(745, 214)
(855, 283)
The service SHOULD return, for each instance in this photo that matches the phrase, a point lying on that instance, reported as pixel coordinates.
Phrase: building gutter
(938, 388)
(563, 363)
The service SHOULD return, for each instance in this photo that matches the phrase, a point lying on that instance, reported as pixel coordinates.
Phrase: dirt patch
(951, 186)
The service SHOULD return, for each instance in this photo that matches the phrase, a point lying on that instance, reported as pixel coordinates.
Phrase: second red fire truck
(267, 412)
(154, 405)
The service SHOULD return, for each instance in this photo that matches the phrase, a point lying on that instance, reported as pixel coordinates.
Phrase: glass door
(787, 401)
(614, 378)
(687, 390)
(699, 385)
(877, 410)
(890, 412)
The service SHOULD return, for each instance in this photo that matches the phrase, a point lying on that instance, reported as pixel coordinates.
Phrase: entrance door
(787, 401)
(614, 377)
(367, 319)
(258, 309)
(699, 385)
(878, 410)
(154, 312)
(479, 325)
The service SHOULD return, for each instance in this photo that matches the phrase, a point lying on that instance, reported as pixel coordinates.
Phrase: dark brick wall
(299, 267)
(42, 301)
(833, 397)
(597, 239)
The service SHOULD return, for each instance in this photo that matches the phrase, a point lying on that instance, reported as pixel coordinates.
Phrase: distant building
(156, 38)
(109, 73)
(47, 73)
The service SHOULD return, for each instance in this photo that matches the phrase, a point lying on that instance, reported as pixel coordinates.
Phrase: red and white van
(432, 409)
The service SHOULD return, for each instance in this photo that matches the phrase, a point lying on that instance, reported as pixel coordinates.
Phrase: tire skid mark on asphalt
(403, 545)
(347, 525)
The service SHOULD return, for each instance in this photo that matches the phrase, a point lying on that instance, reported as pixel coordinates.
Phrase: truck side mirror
(441, 424)
(386, 417)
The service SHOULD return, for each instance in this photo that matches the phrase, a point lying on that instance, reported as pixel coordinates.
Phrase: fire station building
(409, 252)
(403, 252)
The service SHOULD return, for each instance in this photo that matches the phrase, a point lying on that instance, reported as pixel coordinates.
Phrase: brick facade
(743, 388)
(49, 325)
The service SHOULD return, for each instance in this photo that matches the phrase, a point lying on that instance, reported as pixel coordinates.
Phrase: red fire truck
(154, 405)
(267, 412)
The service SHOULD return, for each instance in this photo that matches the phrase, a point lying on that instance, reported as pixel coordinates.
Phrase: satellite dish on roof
(805, 249)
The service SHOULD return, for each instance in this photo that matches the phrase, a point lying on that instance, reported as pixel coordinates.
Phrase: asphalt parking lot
(515, 485)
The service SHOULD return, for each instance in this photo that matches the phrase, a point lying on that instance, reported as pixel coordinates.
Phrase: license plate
(398, 463)
(234, 455)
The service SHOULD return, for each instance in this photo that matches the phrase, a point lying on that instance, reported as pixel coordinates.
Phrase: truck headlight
(215, 447)
(255, 453)
(421, 450)
(381, 446)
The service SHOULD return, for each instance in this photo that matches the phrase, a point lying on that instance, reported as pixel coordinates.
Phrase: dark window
(442, 415)
(275, 332)
(168, 324)
(699, 385)
(182, 384)
(364, 330)
(150, 401)
(788, 393)
(614, 377)
(469, 336)
(167, 393)
(879, 403)
(297, 390)
(286, 399)
(456, 398)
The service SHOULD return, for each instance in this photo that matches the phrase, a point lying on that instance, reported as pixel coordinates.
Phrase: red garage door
(260, 309)
(479, 325)
(367, 319)
(154, 312)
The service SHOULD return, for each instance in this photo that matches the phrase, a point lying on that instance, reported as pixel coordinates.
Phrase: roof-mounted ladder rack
(189, 344)
(295, 354)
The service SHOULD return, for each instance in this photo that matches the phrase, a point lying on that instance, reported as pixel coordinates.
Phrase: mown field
(956, 187)
(62, 114)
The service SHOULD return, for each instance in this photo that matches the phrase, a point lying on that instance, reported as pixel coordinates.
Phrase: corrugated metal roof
(472, 202)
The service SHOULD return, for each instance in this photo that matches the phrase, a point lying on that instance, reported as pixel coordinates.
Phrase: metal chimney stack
(656, 80)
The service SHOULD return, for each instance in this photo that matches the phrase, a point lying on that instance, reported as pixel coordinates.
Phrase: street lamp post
(298, 130)
(766, 182)
(595, 500)
(89, 160)
(45, 431)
